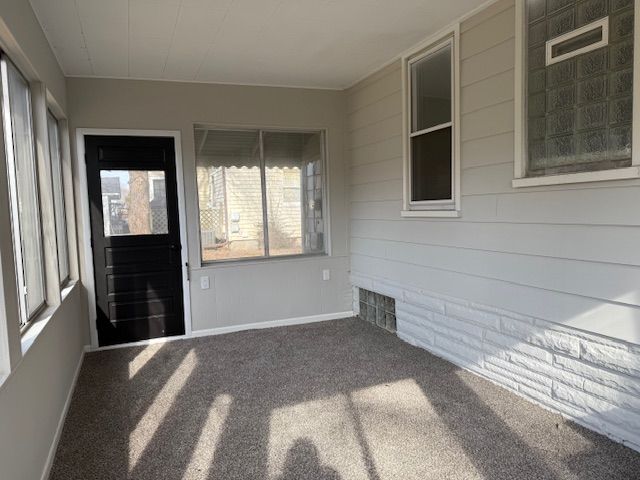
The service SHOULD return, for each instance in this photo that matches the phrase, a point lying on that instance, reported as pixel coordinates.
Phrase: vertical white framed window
(23, 187)
(576, 78)
(55, 154)
(431, 138)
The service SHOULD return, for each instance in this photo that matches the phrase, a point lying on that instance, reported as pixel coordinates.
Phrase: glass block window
(579, 110)
(377, 309)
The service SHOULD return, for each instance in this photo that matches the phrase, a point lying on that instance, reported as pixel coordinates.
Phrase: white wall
(248, 292)
(557, 259)
(34, 393)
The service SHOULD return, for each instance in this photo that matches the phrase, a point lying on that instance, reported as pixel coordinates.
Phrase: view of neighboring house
(230, 200)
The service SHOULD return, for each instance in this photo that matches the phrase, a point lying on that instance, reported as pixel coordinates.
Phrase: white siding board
(491, 150)
(377, 172)
(489, 121)
(488, 92)
(495, 30)
(376, 131)
(567, 276)
(375, 191)
(557, 241)
(386, 107)
(387, 85)
(385, 209)
(384, 149)
(488, 63)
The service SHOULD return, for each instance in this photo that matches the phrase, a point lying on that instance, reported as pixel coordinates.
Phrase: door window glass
(134, 202)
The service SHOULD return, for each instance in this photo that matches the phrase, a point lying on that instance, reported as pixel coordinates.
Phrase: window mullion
(263, 182)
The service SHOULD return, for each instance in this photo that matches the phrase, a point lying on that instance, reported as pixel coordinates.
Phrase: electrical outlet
(326, 274)
(204, 283)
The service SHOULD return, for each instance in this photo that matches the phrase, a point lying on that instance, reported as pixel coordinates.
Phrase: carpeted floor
(336, 400)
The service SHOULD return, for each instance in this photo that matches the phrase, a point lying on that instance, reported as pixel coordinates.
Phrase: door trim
(83, 198)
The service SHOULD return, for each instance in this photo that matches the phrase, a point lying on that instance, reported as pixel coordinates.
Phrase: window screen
(579, 110)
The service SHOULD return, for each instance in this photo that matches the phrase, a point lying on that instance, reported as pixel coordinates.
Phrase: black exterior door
(135, 237)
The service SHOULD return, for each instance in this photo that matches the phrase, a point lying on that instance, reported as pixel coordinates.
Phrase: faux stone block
(537, 155)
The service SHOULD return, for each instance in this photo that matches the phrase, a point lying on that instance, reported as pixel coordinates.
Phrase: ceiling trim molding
(204, 82)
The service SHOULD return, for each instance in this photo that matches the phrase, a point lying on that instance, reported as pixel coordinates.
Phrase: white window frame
(432, 208)
(25, 318)
(261, 130)
(520, 151)
(67, 259)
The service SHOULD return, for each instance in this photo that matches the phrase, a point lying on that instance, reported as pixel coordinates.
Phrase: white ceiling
(308, 43)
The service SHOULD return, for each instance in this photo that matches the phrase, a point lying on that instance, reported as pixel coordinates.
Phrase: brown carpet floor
(330, 401)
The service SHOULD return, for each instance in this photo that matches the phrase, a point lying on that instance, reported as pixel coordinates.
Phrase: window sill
(582, 177)
(235, 262)
(430, 213)
(38, 324)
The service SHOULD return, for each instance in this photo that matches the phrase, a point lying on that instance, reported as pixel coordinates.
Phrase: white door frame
(83, 194)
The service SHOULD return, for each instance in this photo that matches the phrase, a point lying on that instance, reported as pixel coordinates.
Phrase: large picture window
(431, 169)
(260, 193)
(25, 209)
(574, 111)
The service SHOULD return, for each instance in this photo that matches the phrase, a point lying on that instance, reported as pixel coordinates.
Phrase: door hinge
(188, 271)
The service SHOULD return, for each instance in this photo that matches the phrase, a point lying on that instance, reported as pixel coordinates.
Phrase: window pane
(25, 191)
(431, 166)
(293, 164)
(579, 111)
(58, 197)
(229, 194)
(134, 202)
(431, 90)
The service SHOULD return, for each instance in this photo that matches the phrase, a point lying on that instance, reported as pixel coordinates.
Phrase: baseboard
(271, 324)
(63, 416)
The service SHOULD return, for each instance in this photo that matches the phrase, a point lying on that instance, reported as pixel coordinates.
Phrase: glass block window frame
(432, 208)
(558, 142)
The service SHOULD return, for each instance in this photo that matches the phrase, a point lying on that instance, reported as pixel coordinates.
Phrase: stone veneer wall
(590, 379)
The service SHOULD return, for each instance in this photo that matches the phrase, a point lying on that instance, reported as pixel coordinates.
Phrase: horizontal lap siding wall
(562, 255)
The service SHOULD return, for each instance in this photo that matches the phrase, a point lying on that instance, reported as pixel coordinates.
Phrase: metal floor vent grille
(378, 309)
